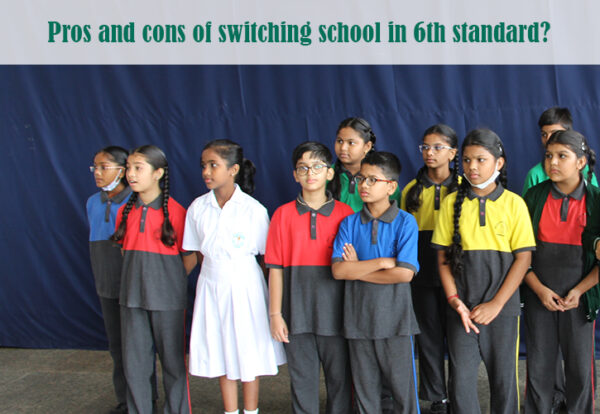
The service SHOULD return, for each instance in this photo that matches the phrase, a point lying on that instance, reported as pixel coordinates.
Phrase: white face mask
(486, 182)
(114, 183)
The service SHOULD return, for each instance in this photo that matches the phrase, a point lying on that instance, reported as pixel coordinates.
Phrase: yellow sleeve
(521, 237)
(444, 226)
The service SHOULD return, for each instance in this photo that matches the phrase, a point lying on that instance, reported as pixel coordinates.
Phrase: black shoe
(121, 408)
(439, 407)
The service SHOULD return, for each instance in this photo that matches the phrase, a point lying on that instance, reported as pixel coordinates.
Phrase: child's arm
(572, 299)
(189, 262)
(484, 313)
(454, 301)
(279, 329)
(547, 296)
(353, 269)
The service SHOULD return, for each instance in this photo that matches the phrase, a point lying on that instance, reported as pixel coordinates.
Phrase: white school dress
(230, 328)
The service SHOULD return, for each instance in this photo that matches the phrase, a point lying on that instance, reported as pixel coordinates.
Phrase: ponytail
(454, 252)
(168, 233)
(245, 177)
(121, 230)
(413, 196)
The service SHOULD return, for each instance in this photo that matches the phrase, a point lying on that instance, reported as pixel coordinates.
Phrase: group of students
(361, 276)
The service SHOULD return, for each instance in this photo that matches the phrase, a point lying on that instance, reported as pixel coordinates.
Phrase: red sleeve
(273, 251)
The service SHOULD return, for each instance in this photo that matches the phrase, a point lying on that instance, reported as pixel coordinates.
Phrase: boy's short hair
(316, 149)
(556, 115)
(388, 162)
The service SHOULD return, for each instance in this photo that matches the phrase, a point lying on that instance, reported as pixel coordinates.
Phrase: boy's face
(548, 130)
(379, 190)
(312, 174)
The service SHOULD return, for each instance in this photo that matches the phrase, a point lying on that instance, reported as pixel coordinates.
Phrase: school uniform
(230, 328)
(106, 260)
(379, 321)
(564, 256)
(153, 299)
(429, 299)
(349, 190)
(492, 228)
(300, 242)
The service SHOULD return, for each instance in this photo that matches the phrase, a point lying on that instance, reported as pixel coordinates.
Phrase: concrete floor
(75, 381)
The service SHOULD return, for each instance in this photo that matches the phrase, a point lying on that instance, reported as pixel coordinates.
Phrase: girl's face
(215, 172)
(439, 154)
(561, 163)
(106, 170)
(141, 175)
(479, 164)
(350, 147)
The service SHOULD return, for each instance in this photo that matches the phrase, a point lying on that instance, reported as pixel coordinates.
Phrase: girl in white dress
(227, 228)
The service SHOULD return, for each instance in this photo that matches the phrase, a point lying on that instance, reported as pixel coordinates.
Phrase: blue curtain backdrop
(54, 118)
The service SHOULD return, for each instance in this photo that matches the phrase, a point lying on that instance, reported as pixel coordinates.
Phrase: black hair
(388, 162)
(491, 142)
(413, 195)
(118, 155)
(157, 159)
(556, 115)
(232, 153)
(578, 144)
(316, 149)
(364, 130)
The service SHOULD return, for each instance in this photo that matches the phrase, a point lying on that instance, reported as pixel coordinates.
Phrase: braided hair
(491, 142)
(413, 196)
(232, 153)
(364, 130)
(578, 144)
(157, 159)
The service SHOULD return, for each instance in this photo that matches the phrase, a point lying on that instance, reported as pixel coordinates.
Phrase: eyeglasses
(315, 169)
(435, 148)
(102, 168)
(370, 181)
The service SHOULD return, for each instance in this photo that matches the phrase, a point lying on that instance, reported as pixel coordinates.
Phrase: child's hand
(485, 313)
(571, 301)
(279, 329)
(551, 300)
(349, 254)
(459, 306)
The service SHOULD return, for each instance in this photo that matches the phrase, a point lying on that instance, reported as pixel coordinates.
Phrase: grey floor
(74, 381)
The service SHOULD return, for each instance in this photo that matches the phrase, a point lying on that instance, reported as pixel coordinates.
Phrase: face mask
(114, 183)
(487, 182)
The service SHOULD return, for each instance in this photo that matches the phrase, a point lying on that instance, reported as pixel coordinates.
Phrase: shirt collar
(236, 197)
(388, 215)
(428, 183)
(493, 196)
(325, 210)
(577, 194)
(118, 198)
(156, 204)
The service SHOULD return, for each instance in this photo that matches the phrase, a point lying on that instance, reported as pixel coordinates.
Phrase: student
(484, 237)
(375, 251)
(227, 228)
(552, 120)
(305, 302)
(566, 219)
(109, 174)
(153, 293)
(354, 139)
(422, 198)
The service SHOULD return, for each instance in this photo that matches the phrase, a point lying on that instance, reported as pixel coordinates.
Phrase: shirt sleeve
(191, 237)
(273, 250)
(444, 225)
(408, 245)
(261, 225)
(344, 235)
(521, 238)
